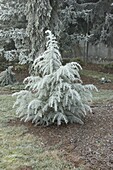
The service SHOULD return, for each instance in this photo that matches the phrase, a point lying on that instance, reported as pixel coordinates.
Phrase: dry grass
(102, 96)
(96, 74)
(20, 149)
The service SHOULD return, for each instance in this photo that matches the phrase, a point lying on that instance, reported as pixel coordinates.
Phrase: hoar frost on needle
(55, 94)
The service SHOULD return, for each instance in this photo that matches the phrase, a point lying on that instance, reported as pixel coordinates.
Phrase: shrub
(7, 77)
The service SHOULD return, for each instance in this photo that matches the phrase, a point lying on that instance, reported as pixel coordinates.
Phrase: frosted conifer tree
(55, 93)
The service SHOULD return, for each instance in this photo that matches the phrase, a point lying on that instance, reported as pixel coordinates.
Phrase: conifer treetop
(50, 60)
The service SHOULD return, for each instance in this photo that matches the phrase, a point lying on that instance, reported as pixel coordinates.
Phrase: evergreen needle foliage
(56, 93)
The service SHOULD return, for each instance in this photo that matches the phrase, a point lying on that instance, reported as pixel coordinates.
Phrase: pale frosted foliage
(38, 15)
(9, 10)
(107, 31)
(12, 31)
(10, 55)
(55, 94)
(7, 77)
(18, 36)
(50, 60)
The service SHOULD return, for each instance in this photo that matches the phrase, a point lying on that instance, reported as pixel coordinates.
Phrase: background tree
(13, 38)
(107, 32)
(67, 19)
(23, 25)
